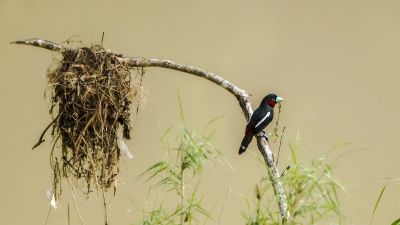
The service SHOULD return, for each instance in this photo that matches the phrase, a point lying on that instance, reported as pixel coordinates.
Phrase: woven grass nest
(92, 94)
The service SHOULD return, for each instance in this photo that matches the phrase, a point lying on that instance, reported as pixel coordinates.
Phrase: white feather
(262, 120)
(123, 147)
(51, 197)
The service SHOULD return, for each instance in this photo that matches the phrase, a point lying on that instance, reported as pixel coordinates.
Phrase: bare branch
(240, 94)
(274, 177)
(40, 43)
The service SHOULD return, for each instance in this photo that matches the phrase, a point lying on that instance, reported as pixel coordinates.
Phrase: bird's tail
(245, 142)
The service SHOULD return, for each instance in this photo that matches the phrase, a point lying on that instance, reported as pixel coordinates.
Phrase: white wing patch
(51, 197)
(262, 120)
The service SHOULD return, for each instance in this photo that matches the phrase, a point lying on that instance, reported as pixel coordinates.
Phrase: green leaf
(396, 222)
(156, 169)
(293, 153)
(154, 166)
(182, 114)
(377, 203)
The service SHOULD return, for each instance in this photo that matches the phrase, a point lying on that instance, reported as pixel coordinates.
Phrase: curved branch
(240, 94)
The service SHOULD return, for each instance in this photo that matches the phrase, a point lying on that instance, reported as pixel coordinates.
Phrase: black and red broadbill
(260, 119)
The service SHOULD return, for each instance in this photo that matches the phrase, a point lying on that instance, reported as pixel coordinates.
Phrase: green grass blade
(377, 203)
(396, 222)
(182, 114)
(293, 153)
(155, 170)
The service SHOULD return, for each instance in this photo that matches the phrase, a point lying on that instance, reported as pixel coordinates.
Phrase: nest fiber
(92, 93)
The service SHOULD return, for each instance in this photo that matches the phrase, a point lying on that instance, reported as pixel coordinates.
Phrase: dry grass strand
(91, 96)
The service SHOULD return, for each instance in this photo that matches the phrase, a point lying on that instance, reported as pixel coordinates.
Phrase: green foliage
(312, 194)
(377, 203)
(396, 222)
(192, 153)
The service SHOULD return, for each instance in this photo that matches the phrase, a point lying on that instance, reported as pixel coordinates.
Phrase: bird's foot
(263, 134)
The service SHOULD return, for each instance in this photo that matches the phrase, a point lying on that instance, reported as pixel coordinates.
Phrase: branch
(40, 43)
(274, 177)
(240, 94)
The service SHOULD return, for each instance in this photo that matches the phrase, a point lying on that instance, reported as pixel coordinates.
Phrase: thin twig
(40, 43)
(48, 216)
(138, 102)
(276, 135)
(68, 215)
(285, 171)
(183, 216)
(41, 140)
(223, 205)
(279, 149)
(105, 208)
(73, 198)
(102, 38)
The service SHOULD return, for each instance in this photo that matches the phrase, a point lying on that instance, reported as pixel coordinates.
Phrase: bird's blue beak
(279, 99)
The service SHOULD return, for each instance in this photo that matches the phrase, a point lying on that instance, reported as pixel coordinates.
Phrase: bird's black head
(271, 100)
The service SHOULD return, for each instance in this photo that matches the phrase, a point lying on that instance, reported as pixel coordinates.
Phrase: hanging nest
(92, 93)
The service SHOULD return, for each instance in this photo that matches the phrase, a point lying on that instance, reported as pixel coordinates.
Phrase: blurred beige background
(335, 62)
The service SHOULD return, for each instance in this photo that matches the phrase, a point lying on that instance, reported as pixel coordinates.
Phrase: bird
(259, 120)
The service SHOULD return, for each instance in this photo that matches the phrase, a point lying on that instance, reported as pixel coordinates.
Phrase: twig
(138, 102)
(69, 218)
(183, 216)
(41, 140)
(73, 198)
(223, 205)
(276, 135)
(40, 43)
(105, 208)
(102, 38)
(285, 171)
(240, 94)
(279, 149)
(48, 216)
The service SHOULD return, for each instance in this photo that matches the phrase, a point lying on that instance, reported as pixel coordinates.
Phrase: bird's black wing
(255, 117)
